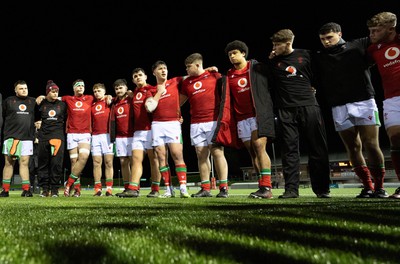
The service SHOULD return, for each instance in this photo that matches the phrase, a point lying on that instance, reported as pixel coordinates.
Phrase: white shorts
(391, 112)
(201, 134)
(142, 140)
(245, 127)
(101, 145)
(166, 132)
(362, 113)
(74, 139)
(123, 146)
(25, 145)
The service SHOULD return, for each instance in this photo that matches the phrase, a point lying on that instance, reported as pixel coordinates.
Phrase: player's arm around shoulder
(152, 102)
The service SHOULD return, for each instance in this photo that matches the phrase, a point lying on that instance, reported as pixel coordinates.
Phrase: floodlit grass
(203, 230)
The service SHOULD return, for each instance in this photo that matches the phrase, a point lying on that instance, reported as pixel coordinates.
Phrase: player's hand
(272, 55)
(39, 99)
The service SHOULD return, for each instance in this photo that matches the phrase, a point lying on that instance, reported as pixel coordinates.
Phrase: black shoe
(380, 193)
(202, 193)
(26, 193)
(289, 194)
(121, 193)
(129, 194)
(45, 193)
(396, 194)
(262, 193)
(223, 193)
(54, 193)
(323, 195)
(366, 193)
(98, 193)
(109, 194)
(153, 194)
(4, 194)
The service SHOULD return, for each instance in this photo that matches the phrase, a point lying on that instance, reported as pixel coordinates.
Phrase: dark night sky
(103, 42)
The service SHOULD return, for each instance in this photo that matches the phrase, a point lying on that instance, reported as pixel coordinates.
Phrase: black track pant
(50, 167)
(304, 123)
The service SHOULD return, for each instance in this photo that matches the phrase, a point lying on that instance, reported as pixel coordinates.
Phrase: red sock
(109, 183)
(180, 170)
(378, 174)
(165, 174)
(155, 186)
(223, 184)
(26, 186)
(77, 186)
(97, 186)
(365, 176)
(133, 186)
(70, 181)
(6, 187)
(205, 185)
(265, 179)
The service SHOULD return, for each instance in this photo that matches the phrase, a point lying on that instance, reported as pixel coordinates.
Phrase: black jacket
(342, 72)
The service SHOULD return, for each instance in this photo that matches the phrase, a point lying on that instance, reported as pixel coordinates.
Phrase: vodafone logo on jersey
(78, 104)
(52, 113)
(392, 53)
(120, 110)
(22, 107)
(139, 96)
(292, 70)
(242, 82)
(197, 85)
(98, 108)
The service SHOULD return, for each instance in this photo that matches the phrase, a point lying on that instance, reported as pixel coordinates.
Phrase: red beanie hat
(50, 86)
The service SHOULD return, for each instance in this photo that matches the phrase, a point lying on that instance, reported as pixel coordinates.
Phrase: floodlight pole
(274, 159)
(213, 180)
(275, 166)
